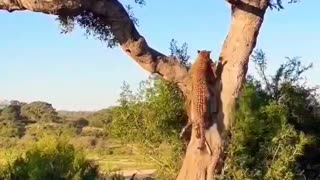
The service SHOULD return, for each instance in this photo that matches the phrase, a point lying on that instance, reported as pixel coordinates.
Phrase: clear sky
(77, 73)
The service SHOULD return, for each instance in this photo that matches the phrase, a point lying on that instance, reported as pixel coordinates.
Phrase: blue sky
(74, 72)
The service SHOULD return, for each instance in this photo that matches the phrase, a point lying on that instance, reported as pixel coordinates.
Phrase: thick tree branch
(114, 16)
(247, 18)
(233, 1)
(48, 7)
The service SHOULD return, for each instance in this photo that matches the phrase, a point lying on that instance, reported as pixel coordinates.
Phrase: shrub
(81, 122)
(10, 113)
(50, 158)
(40, 112)
(263, 145)
(39, 130)
(86, 142)
(9, 129)
(6, 143)
(152, 118)
(100, 118)
(93, 131)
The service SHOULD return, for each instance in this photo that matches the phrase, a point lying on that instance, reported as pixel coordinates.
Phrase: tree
(110, 21)
(39, 111)
(51, 157)
(275, 132)
(100, 118)
(3, 104)
(81, 122)
(151, 117)
(10, 113)
(287, 88)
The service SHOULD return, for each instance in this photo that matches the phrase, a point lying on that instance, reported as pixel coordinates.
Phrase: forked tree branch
(116, 17)
(255, 7)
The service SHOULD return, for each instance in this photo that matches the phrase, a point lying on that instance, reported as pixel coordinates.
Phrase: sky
(75, 72)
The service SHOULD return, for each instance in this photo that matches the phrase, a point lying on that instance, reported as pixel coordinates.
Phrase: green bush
(276, 119)
(50, 158)
(81, 122)
(264, 145)
(9, 129)
(10, 113)
(152, 118)
(93, 131)
(40, 112)
(100, 118)
(90, 143)
(7, 142)
(39, 130)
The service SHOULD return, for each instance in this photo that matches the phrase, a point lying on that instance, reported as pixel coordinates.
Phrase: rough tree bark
(247, 17)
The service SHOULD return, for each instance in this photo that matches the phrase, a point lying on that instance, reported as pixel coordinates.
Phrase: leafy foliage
(264, 145)
(39, 111)
(100, 118)
(278, 4)
(286, 88)
(40, 130)
(81, 122)
(10, 113)
(50, 158)
(273, 125)
(10, 121)
(180, 53)
(9, 129)
(97, 26)
(152, 118)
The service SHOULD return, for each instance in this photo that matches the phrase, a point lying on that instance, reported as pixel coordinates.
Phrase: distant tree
(10, 113)
(4, 103)
(40, 112)
(100, 118)
(10, 129)
(81, 122)
(74, 115)
(17, 103)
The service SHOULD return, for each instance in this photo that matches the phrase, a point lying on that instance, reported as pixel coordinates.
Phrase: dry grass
(109, 154)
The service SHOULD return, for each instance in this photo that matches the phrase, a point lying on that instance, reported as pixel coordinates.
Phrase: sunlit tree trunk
(245, 25)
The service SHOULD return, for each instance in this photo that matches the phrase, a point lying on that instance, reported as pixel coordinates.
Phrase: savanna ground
(108, 153)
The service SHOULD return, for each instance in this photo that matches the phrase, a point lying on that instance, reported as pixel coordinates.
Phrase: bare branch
(113, 15)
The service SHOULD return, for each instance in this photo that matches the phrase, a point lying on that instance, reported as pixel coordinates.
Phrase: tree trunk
(239, 44)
